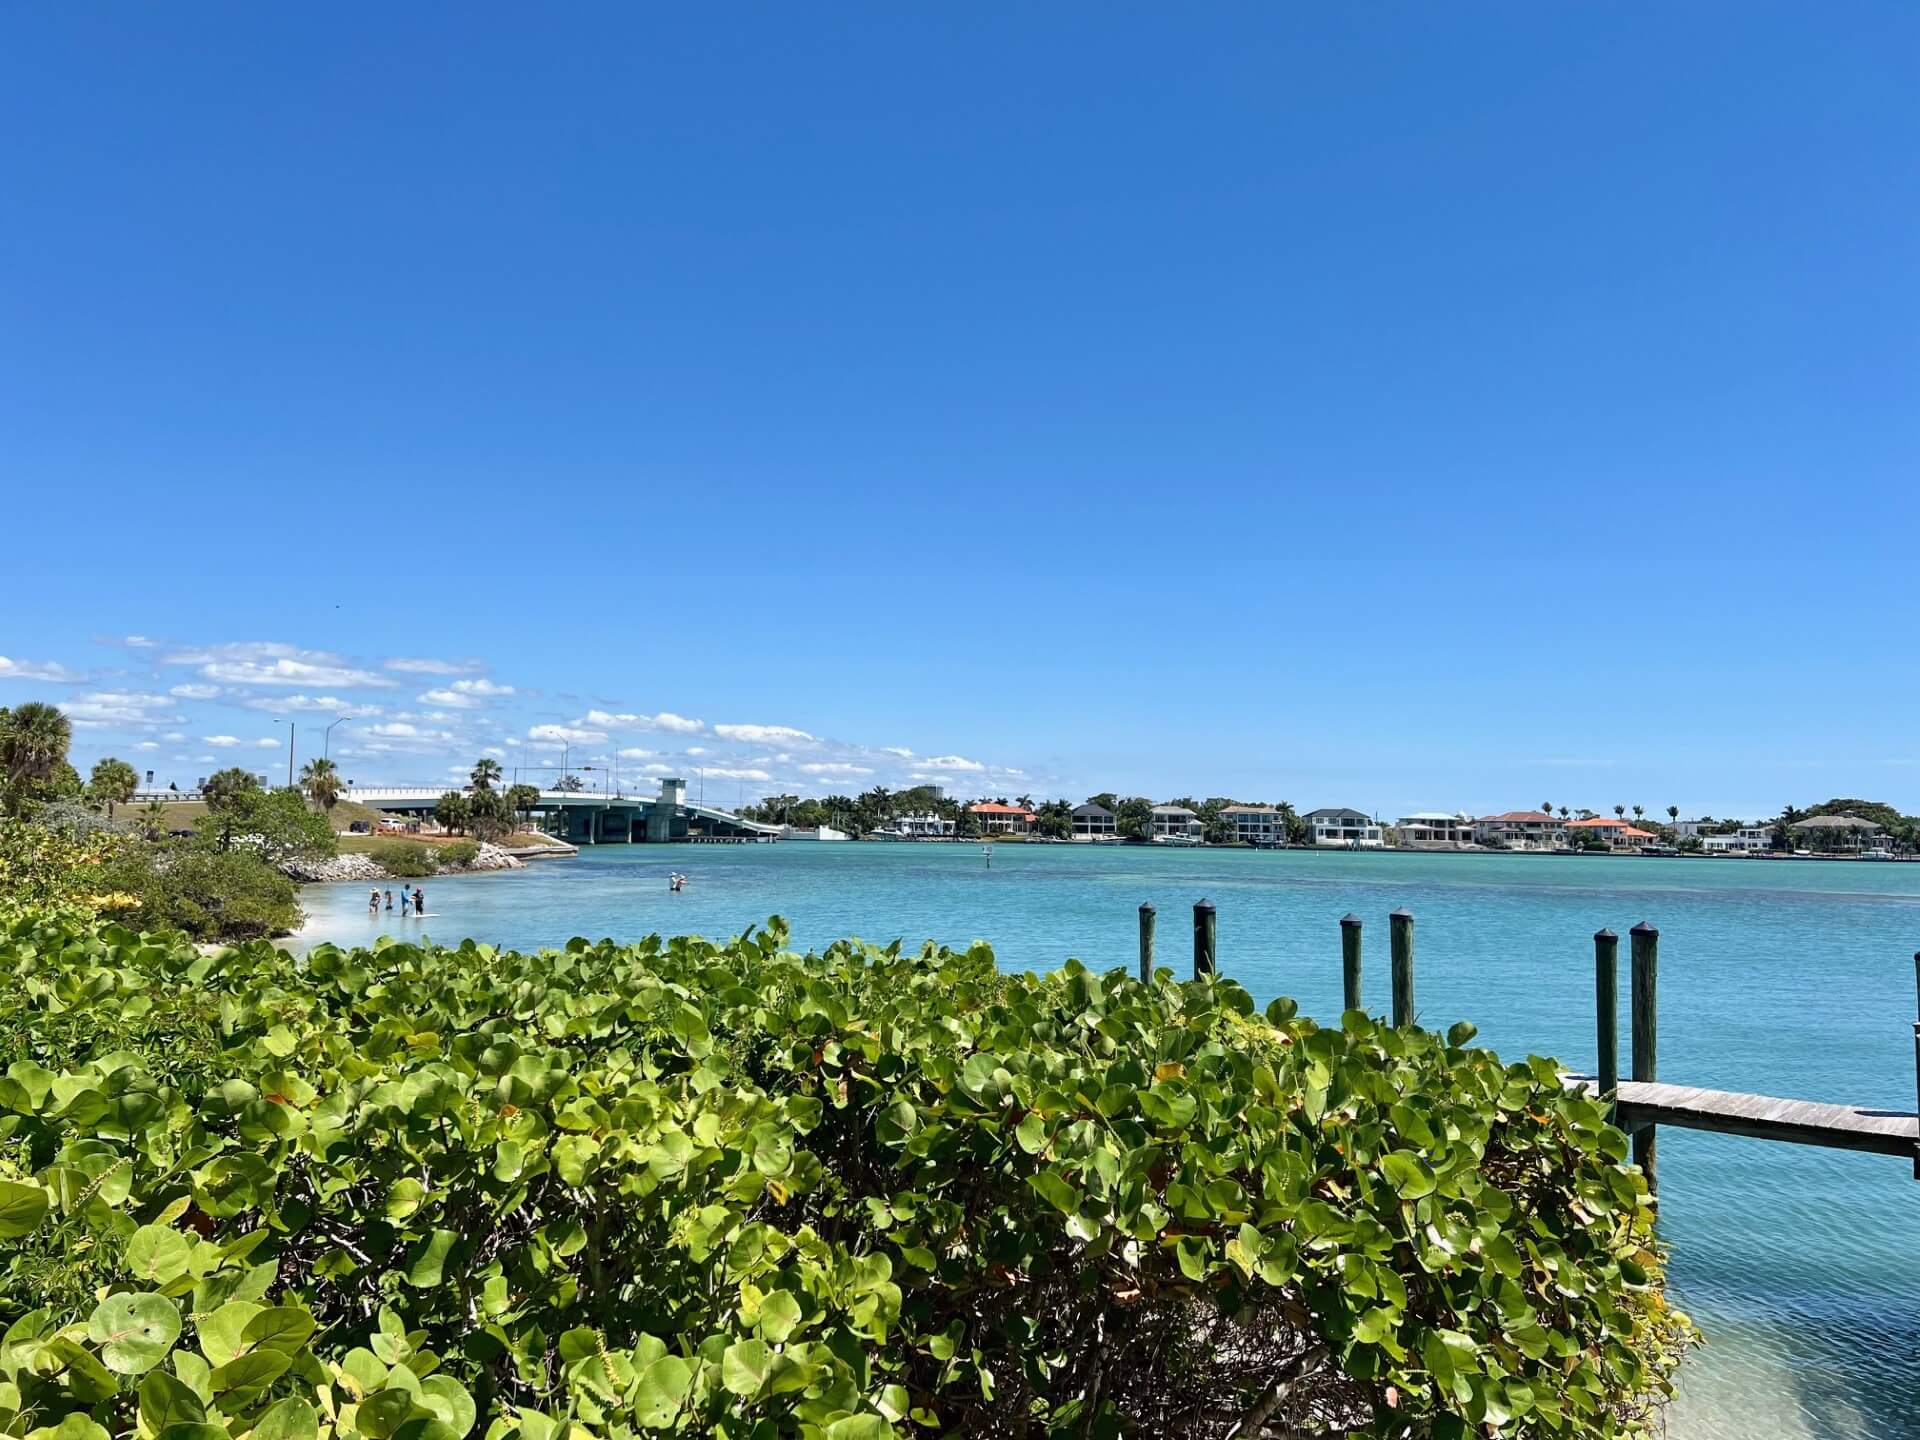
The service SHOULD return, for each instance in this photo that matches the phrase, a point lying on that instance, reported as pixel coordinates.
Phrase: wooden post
(1350, 960)
(1400, 938)
(1203, 938)
(1916, 1067)
(1606, 1001)
(1646, 1032)
(1147, 913)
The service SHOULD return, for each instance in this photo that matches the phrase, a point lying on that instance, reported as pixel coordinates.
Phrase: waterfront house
(1435, 827)
(924, 827)
(1093, 822)
(1176, 823)
(1619, 834)
(1521, 830)
(1341, 828)
(811, 832)
(1834, 832)
(1755, 839)
(1255, 824)
(998, 819)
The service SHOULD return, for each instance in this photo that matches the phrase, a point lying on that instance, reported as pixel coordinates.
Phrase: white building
(924, 827)
(1747, 840)
(1340, 828)
(1435, 827)
(1093, 822)
(1256, 824)
(811, 832)
(1176, 823)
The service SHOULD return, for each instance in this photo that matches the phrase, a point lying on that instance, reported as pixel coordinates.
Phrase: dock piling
(1203, 938)
(1400, 938)
(1646, 1033)
(1350, 961)
(1147, 914)
(1606, 997)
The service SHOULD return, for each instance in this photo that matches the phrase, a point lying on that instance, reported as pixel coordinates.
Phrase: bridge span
(586, 817)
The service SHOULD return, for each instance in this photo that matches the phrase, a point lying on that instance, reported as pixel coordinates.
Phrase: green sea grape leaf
(165, 1400)
(290, 1419)
(660, 1391)
(134, 1331)
(158, 1254)
(22, 1208)
(1407, 1173)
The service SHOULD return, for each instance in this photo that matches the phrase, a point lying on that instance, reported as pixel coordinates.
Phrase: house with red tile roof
(1617, 833)
(1521, 830)
(998, 819)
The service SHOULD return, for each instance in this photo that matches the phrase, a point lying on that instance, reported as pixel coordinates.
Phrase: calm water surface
(1793, 978)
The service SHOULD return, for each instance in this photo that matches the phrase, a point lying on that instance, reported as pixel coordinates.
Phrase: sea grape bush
(416, 1193)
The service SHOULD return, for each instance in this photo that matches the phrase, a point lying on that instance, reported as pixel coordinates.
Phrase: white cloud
(634, 752)
(119, 707)
(139, 642)
(495, 751)
(951, 762)
(47, 670)
(225, 742)
(565, 734)
(760, 734)
(205, 759)
(900, 750)
(656, 769)
(698, 750)
(268, 662)
(724, 774)
(148, 745)
(835, 767)
(311, 705)
(267, 743)
(466, 694)
(415, 666)
(403, 730)
(174, 737)
(196, 692)
(632, 720)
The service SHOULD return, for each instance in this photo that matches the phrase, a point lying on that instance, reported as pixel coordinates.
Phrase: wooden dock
(1640, 1104)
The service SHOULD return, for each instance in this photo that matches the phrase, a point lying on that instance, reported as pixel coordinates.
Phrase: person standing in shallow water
(373, 901)
(405, 900)
(419, 901)
(390, 902)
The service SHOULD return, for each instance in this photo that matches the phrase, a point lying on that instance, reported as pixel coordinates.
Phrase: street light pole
(290, 735)
(326, 744)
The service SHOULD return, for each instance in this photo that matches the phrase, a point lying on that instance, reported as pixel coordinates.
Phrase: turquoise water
(1792, 978)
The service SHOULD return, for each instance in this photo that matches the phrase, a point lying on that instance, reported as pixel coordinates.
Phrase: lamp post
(290, 735)
(326, 743)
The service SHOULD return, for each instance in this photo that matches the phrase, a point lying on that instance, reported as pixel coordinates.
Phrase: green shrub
(210, 894)
(407, 859)
(460, 852)
(413, 1193)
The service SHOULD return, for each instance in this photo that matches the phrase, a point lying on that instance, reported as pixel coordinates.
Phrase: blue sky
(1402, 407)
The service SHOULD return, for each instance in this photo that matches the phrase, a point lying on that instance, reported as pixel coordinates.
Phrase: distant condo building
(1256, 824)
(1340, 828)
(998, 819)
(1435, 827)
(1093, 822)
(1521, 830)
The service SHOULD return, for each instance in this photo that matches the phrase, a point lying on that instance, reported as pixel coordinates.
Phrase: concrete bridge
(586, 817)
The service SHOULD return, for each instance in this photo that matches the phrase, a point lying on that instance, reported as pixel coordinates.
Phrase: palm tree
(153, 819)
(33, 746)
(1546, 807)
(1639, 813)
(224, 787)
(1620, 812)
(1564, 812)
(112, 782)
(320, 779)
(486, 773)
(452, 811)
(1673, 819)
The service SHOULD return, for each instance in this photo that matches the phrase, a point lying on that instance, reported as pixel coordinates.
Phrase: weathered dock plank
(1764, 1117)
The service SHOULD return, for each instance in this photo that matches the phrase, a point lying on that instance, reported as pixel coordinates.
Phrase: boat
(1877, 853)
